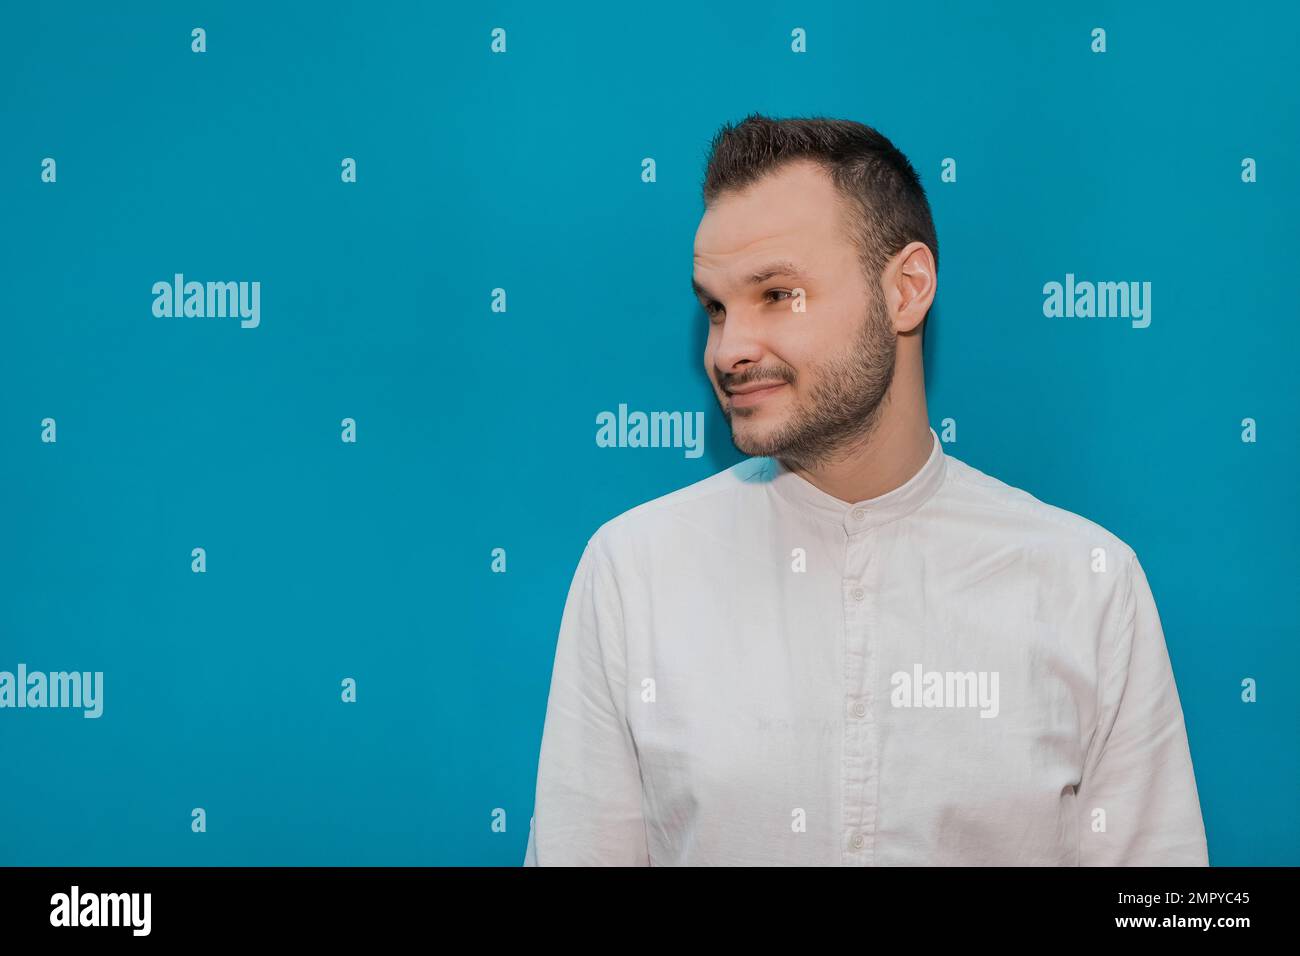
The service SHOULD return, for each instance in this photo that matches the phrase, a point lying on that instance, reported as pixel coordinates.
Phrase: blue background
(476, 429)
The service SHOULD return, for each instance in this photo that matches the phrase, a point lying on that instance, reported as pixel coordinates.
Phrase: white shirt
(735, 683)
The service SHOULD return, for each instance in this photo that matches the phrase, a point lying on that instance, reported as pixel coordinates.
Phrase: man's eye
(713, 308)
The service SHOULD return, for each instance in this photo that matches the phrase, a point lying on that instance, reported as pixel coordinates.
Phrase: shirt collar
(858, 516)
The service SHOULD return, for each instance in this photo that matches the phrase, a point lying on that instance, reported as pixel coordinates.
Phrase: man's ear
(912, 284)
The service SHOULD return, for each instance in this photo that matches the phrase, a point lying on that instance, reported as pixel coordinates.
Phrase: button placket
(857, 742)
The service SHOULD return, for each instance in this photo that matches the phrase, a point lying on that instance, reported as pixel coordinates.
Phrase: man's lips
(753, 387)
(754, 393)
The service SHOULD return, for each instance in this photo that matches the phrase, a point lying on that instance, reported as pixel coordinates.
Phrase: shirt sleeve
(587, 810)
(1139, 771)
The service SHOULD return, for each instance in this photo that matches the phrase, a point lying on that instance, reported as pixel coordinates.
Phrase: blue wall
(476, 428)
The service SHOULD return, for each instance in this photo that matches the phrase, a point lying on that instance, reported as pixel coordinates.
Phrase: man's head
(832, 208)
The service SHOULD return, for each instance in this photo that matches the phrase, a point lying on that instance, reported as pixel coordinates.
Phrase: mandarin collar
(858, 516)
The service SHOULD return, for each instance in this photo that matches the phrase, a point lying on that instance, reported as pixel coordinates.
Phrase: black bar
(247, 904)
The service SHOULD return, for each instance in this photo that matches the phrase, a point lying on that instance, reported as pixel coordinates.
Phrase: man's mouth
(753, 392)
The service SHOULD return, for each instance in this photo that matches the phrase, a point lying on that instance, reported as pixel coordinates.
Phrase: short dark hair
(886, 203)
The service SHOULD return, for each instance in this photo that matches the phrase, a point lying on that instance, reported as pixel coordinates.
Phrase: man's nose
(739, 341)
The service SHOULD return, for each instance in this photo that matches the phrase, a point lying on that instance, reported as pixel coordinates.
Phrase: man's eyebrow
(782, 267)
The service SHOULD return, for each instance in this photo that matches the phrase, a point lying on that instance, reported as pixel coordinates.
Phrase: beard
(849, 394)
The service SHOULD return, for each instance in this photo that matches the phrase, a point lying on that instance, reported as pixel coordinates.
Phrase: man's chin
(755, 442)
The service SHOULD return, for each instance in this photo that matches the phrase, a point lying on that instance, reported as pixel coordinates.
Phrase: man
(851, 648)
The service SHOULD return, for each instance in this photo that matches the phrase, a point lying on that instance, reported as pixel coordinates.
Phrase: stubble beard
(849, 394)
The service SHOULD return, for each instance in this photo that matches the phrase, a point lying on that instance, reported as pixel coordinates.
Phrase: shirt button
(858, 594)
(857, 841)
(859, 514)
(859, 709)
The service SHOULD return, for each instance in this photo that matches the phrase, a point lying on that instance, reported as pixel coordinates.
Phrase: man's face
(829, 367)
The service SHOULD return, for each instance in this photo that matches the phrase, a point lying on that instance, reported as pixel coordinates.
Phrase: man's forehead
(734, 254)
(768, 252)
(759, 223)
(732, 227)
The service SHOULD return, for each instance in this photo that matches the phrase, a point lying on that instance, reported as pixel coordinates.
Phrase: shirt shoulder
(691, 507)
(1013, 511)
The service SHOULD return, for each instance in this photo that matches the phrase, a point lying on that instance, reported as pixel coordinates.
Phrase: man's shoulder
(690, 506)
(1013, 511)
(969, 502)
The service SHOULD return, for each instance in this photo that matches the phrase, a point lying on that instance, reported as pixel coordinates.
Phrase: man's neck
(894, 452)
